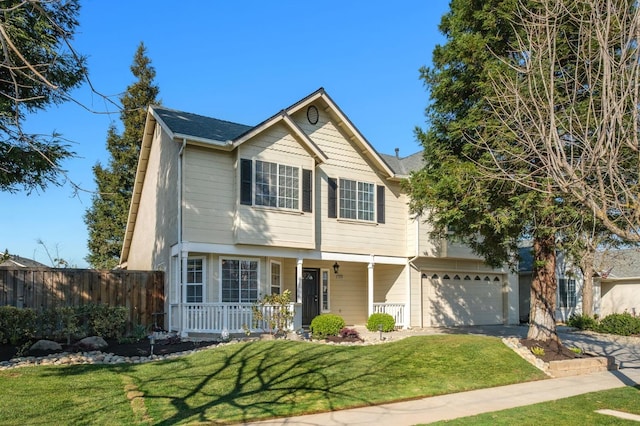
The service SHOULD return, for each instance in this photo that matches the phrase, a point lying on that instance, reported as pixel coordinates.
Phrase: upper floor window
(357, 200)
(195, 280)
(275, 185)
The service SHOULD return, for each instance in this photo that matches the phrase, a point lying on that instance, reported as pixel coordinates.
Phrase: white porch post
(299, 281)
(407, 302)
(184, 256)
(370, 287)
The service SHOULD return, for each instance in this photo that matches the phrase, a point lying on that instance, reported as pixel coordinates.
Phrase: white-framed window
(567, 290)
(195, 280)
(239, 280)
(277, 185)
(325, 290)
(357, 200)
(276, 277)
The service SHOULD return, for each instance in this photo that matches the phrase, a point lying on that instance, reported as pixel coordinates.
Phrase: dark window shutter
(380, 204)
(307, 190)
(332, 205)
(246, 171)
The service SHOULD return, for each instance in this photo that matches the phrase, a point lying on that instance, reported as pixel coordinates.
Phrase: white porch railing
(396, 310)
(216, 317)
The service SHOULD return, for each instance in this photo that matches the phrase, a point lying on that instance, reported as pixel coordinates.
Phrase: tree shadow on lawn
(252, 380)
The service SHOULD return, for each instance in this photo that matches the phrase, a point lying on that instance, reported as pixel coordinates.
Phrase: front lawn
(577, 410)
(258, 380)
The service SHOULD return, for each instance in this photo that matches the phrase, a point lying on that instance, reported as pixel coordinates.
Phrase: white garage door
(451, 298)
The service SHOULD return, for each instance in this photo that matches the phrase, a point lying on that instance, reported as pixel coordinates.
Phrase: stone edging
(564, 368)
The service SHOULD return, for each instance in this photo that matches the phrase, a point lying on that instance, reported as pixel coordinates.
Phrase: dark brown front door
(310, 295)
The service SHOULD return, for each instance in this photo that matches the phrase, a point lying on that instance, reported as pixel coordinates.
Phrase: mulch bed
(552, 350)
(129, 349)
(347, 339)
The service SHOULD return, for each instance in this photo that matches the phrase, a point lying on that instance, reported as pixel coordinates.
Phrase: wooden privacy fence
(142, 292)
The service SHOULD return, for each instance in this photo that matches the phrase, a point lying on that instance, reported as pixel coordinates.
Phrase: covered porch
(352, 286)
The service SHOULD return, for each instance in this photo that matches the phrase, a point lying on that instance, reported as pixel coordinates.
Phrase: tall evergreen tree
(480, 181)
(106, 219)
(36, 70)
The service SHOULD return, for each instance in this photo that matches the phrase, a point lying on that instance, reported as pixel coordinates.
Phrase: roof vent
(398, 153)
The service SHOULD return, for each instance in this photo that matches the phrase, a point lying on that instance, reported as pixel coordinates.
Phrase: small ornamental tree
(274, 312)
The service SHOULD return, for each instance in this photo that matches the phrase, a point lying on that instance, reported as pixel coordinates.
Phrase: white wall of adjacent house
(619, 296)
(157, 218)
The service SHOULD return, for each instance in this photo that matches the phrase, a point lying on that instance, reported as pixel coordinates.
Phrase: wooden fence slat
(142, 292)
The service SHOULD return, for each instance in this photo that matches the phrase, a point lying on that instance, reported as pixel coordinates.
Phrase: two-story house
(303, 202)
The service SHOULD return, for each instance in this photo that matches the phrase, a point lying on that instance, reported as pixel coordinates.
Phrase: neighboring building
(616, 287)
(21, 262)
(303, 202)
(568, 292)
(619, 279)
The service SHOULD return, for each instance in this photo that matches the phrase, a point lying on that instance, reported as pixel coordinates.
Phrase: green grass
(577, 410)
(259, 380)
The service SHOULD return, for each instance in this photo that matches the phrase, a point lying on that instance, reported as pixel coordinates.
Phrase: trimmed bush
(582, 322)
(386, 320)
(326, 325)
(16, 325)
(623, 324)
(102, 320)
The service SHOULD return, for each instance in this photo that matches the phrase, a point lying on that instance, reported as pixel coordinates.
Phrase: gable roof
(196, 129)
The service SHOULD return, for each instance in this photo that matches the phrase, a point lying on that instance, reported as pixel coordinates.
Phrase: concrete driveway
(625, 350)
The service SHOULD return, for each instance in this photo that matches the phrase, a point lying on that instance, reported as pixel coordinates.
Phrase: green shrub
(623, 324)
(58, 323)
(582, 322)
(17, 325)
(386, 320)
(326, 325)
(103, 320)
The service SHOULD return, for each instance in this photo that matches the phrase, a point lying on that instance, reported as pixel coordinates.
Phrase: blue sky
(241, 61)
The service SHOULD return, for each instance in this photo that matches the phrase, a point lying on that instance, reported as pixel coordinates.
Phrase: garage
(454, 298)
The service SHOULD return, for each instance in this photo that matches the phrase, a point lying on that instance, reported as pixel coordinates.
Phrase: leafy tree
(38, 69)
(480, 181)
(106, 219)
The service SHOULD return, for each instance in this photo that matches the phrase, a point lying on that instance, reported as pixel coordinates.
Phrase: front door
(310, 295)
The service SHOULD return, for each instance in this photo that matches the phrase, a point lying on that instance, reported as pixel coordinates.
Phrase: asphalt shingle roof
(619, 263)
(186, 123)
(404, 166)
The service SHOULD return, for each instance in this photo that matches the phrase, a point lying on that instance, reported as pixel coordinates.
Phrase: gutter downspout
(182, 270)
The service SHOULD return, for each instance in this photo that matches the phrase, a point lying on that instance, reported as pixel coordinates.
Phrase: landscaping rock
(93, 343)
(45, 345)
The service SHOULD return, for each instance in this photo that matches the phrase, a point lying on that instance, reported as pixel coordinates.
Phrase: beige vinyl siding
(389, 284)
(209, 195)
(259, 225)
(349, 293)
(427, 245)
(157, 218)
(346, 160)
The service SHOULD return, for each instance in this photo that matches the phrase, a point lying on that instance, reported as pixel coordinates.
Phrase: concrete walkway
(447, 407)
(464, 404)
